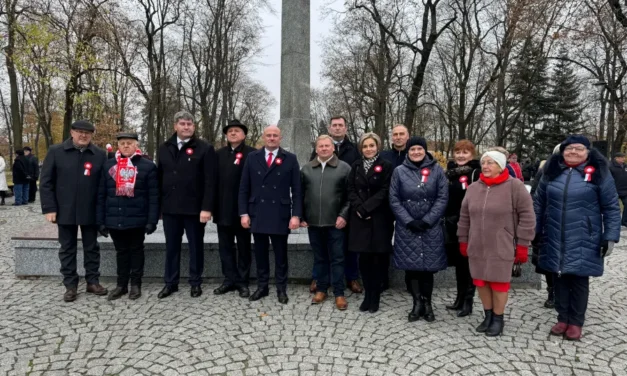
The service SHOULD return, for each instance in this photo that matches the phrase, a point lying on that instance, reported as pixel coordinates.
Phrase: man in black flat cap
(128, 208)
(33, 169)
(235, 261)
(70, 177)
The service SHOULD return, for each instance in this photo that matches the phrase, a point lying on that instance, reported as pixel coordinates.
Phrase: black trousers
(235, 260)
(173, 227)
(129, 255)
(32, 191)
(68, 238)
(463, 278)
(571, 298)
(422, 280)
(373, 268)
(262, 258)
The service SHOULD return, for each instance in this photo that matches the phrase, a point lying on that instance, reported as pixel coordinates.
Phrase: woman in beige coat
(496, 226)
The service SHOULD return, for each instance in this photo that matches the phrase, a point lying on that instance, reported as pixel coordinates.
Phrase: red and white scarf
(124, 174)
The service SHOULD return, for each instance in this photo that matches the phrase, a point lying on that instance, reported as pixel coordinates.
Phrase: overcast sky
(269, 71)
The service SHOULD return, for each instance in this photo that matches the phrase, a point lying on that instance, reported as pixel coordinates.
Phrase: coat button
(273, 202)
(175, 172)
(278, 173)
(258, 172)
(263, 186)
(274, 186)
(261, 200)
(119, 209)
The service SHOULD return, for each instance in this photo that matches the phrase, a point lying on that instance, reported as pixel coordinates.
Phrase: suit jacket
(64, 187)
(187, 177)
(229, 176)
(271, 196)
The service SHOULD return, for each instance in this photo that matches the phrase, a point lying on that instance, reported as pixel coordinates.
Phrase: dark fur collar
(454, 171)
(555, 166)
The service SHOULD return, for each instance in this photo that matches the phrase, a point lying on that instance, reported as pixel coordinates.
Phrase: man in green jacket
(325, 211)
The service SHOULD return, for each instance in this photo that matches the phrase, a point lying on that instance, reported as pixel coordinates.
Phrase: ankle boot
(428, 309)
(459, 298)
(550, 300)
(496, 326)
(468, 301)
(486, 321)
(365, 305)
(418, 307)
(375, 299)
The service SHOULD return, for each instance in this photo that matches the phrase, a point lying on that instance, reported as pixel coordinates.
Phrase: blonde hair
(324, 137)
(372, 135)
(500, 149)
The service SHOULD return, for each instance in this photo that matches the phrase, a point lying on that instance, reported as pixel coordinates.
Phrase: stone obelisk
(295, 121)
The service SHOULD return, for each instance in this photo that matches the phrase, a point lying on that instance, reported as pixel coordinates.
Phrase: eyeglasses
(578, 149)
(488, 163)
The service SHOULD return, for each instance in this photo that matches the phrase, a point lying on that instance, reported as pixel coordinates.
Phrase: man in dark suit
(235, 261)
(33, 164)
(70, 177)
(186, 170)
(270, 204)
(346, 152)
(396, 155)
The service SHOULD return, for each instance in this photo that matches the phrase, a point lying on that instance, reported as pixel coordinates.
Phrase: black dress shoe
(195, 292)
(283, 299)
(167, 291)
(136, 292)
(244, 292)
(260, 293)
(224, 289)
(117, 293)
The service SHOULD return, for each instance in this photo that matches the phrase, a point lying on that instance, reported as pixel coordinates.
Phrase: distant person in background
(33, 168)
(21, 178)
(513, 163)
(3, 180)
(619, 172)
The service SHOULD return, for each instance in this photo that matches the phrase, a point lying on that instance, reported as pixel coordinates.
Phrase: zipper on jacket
(320, 199)
(563, 229)
(485, 203)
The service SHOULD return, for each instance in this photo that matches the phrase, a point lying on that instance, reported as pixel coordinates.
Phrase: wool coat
(368, 194)
(574, 216)
(411, 199)
(493, 220)
(65, 185)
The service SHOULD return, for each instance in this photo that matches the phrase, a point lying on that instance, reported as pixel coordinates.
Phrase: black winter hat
(416, 141)
(575, 139)
(235, 123)
(131, 135)
(83, 125)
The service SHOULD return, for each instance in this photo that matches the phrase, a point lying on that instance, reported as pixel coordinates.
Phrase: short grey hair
(185, 115)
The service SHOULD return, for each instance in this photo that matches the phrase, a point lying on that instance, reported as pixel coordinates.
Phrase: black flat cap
(235, 123)
(83, 125)
(122, 135)
(27, 148)
(619, 155)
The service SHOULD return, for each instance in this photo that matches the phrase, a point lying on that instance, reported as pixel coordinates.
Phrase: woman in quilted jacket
(418, 197)
(495, 228)
(577, 223)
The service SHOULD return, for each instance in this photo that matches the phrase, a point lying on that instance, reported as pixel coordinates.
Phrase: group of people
(25, 174)
(362, 206)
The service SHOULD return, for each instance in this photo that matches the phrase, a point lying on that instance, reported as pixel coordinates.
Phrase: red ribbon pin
(278, 161)
(88, 167)
(425, 172)
(189, 151)
(464, 181)
(238, 157)
(589, 171)
(378, 169)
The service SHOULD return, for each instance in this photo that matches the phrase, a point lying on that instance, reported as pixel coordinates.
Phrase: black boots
(550, 300)
(365, 305)
(466, 308)
(422, 305)
(486, 321)
(496, 326)
(459, 300)
(428, 309)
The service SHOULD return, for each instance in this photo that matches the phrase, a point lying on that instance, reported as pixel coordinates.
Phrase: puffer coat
(411, 199)
(575, 216)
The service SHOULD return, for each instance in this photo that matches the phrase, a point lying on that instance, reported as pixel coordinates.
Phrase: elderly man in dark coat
(270, 204)
(70, 177)
(128, 208)
(186, 168)
(33, 165)
(235, 261)
(21, 178)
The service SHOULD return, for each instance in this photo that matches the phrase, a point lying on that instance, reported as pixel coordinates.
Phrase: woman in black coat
(462, 172)
(371, 220)
(128, 208)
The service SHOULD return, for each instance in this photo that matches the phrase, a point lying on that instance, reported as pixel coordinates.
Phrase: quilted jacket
(574, 217)
(412, 199)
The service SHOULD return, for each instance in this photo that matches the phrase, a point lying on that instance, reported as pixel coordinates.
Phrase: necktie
(181, 144)
(269, 159)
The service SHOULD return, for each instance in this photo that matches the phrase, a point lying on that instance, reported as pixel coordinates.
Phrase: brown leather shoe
(318, 298)
(96, 289)
(70, 294)
(313, 286)
(341, 303)
(354, 287)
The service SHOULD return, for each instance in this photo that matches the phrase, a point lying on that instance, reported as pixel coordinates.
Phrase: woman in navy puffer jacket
(577, 223)
(418, 197)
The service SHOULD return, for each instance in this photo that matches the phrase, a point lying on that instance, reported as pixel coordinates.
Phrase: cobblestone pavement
(40, 334)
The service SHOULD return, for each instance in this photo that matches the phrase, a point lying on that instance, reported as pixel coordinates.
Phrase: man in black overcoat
(70, 177)
(33, 164)
(270, 204)
(235, 260)
(187, 176)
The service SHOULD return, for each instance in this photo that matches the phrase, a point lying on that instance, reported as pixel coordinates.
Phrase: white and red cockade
(464, 180)
(589, 170)
(425, 172)
(238, 158)
(88, 167)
